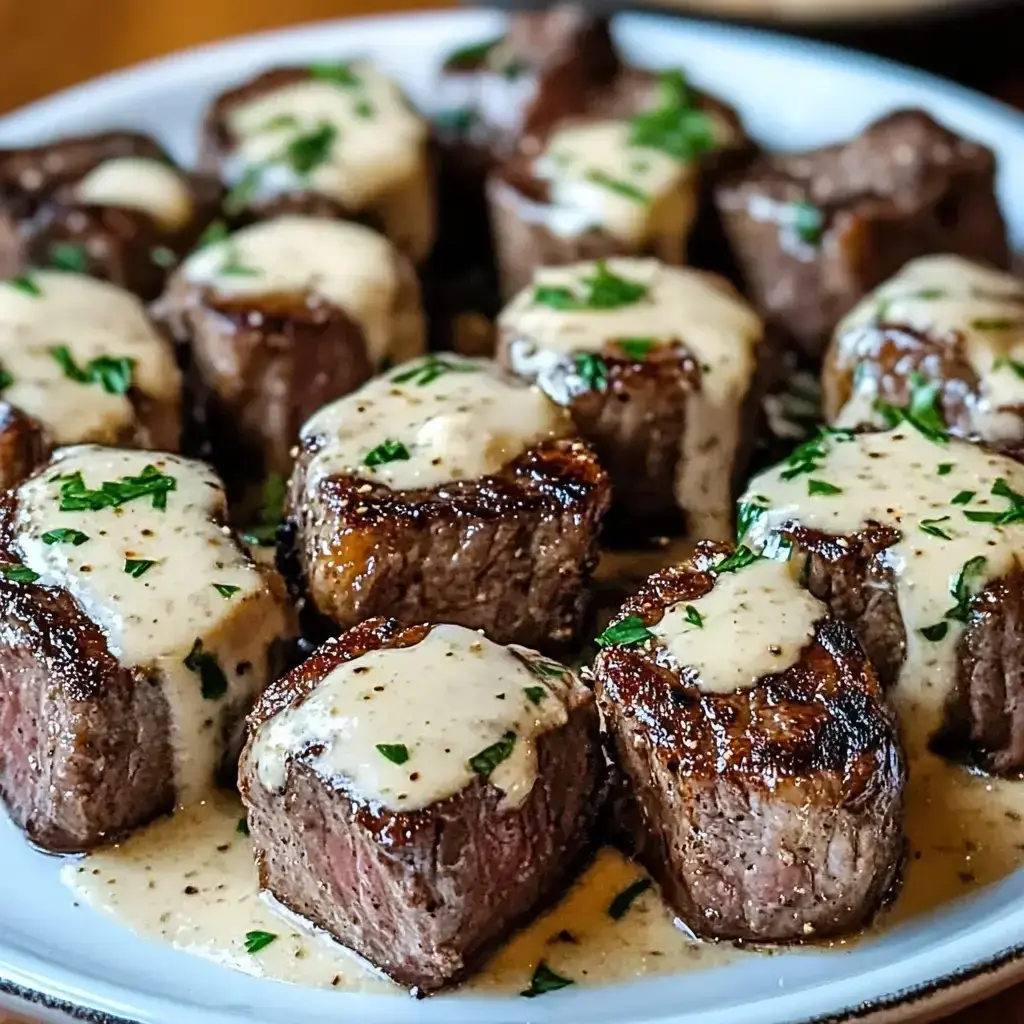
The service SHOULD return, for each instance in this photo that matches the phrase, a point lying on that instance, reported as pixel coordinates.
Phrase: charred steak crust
(509, 554)
(38, 213)
(773, 813)
(864, 214)
(23, 445)
(425, 895)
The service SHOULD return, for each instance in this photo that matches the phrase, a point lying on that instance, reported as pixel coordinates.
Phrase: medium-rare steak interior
(418, 792)
(759, 748)
(330, 140)
(916, 540)
(136, 633)
(941, 323)
(813, 232)
(447, 490)
(662, 368)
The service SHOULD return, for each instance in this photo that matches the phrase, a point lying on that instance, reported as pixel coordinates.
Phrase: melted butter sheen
(444, 700)
(344, 264)
(682, 306)
(892, 478)
(462, 425)
(753, 623)
(91, 319)
(139, 184)
(598, 180)
(152, 621)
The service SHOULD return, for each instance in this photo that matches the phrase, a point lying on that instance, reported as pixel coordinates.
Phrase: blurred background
(55, 44)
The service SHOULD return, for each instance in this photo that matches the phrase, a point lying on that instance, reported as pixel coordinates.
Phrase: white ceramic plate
(791, 95)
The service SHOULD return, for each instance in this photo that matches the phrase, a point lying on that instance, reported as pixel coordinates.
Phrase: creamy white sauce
(153, 621)
(441, 702)
(598, 180)
(752, 623)
(893, 478)
(344, 264)
(91, 319)
(681, 306)
(142, 184)
(463, 425)
(375, 160)
(958, 303)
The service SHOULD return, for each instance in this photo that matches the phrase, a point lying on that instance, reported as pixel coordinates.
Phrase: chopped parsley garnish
(945, 468)
(396, 753)
(748, 515)
(386, 451)
(806, 457)
(136, 567)
(602, 290)
(628, 632)
(240, 195)
(625, 899)
(25, 284)
(592, 369)
(338, 74)
(674, 125)
(544, 669)
(242, 828)
(1013, 514)
(257, 940)
(622, 188)
(211, 675)
(545, 980)
(961, 589)
(490, 757)
(932, 527)
(514, 69)
(535, 694)
(76, 497)
(457, 120)
(924, 412)
(694, 617)
(216, 231)
(364, 109)
(822, 487)
(470, 56)
(232, 266)
(6, 379)
(264, 533)
(114, 373)
(962, 497)
(308, 151)
(935, 633)
(807, 222)
(429, 368)
(69, 256)
(739, 559)
(226, 590)
(65, 536)
(995, 324)
(18, 573)
(1018, 368)
(636, 348)
(162, 256)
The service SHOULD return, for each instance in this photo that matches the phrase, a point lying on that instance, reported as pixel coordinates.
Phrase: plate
(792, 94)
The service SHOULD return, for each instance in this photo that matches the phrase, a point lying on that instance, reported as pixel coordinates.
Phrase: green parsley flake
(625, 899)
(25, 284)
(694, 617)
(674, 125)
(338, 74)
(396, 753)
(924, 412)
(535, 694)
(242, 828)
(65, 536)
(622, 188)
(226, 590)
(739, 559)
(627, 632)
(592, 369)
(807, 222)
(470, 56)
(945, 468)
(636, 348)
(822, 487)
(69, 256)
(386, 451)
(17, 573)
(211, 676)
(935, 633)
(602, 290)
(961, 589)
(76, 497)
(490, 757)
(264, 533)
(113, 373)
(426, 370)
(257, 940)
(545, 980)
(136, 567)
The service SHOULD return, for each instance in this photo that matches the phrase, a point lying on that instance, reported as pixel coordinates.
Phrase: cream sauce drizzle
(139, 184)
(892, 478)
(91, 319)
(721, 330)
(462, 425)
(442, 701)
(376, 160)
(598, 180)
(956, 302)
(752, 623)
(344, 264)
(152, 621)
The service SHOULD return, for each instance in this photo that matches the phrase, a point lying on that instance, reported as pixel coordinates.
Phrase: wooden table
(54, 44)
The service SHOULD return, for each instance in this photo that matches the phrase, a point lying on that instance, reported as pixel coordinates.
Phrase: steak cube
(113, 205)
(446, 490)
(135, 634)
(813, 232)
(418, 792)
(764, 761)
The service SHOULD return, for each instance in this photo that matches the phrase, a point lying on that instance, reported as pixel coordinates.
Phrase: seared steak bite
(916, 541)
(81, 361)
(281, 317)
(762, 755)
(941, 324)
(136, 633)
(419, 792)
(814, 231)
(662, 369)
(620, 178)
(447, 490)
(329, 140)
(112, 205)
